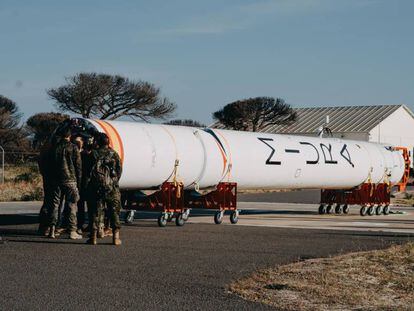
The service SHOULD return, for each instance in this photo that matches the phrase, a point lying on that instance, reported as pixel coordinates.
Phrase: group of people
(79, 173)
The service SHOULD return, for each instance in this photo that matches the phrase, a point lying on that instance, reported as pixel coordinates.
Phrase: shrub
(22, 183)
(35, 194)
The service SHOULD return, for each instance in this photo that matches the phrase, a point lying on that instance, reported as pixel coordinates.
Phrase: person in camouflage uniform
(85, 151)
(66, 163)
(103, 188)
(48, 178)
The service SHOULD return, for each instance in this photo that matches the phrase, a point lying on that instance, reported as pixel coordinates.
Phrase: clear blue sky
(204, 54)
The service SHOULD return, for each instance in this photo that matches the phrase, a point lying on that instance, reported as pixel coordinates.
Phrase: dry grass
(375, 280)
(403, 199)
(22, 183)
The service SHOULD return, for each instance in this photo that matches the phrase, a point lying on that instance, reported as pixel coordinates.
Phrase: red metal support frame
(169, 200)
(402, 185)
(373, 198)
(365, 194)
(223, 198)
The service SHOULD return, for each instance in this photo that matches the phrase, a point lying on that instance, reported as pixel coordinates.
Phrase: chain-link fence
(20, 177)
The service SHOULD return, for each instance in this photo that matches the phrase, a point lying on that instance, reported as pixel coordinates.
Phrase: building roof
(341, 119)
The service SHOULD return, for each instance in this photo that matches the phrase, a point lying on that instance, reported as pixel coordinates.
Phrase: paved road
(305, 216)
(281, 215)
(174, 267)
(185, 268)
(307, 196)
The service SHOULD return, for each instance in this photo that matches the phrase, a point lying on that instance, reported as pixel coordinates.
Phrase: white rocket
(201, 158)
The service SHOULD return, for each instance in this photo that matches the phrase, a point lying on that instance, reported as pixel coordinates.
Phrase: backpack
(102, 179)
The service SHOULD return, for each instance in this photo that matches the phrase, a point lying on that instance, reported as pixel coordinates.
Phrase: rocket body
(201, 158)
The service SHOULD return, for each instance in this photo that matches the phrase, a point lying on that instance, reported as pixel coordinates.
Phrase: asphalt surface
(261, 214)
(307, 196)
(172, 268)
(175, 268)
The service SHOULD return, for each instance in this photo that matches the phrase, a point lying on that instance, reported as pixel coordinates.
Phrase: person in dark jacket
(48, 177)
(85, 151)
(66, 163)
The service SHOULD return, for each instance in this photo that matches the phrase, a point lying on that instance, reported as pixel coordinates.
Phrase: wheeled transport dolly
(168, 200)
(222, 199)
(373, 198)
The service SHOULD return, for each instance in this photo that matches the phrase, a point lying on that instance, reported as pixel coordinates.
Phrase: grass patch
(374, 280)
(22, 183)
(402, 202)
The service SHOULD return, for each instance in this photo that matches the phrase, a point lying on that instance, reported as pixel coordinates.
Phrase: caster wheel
(162, 220)
(329, 209)
(345, 209)
(129, 217)
(363, 211)
(338, 209)
(218, 218)
(179, 220)
(234, 218)
(322, 209)
(371, 210)
(378, 210)
(386, 209)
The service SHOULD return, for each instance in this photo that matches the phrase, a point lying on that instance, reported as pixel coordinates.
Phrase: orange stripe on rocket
(220, 147)
(115, 140)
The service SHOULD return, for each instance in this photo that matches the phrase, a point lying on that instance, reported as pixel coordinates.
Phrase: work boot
(59, 231)
(108, 232)
(43, 230)
(74, 235)
(101, 233)
(52, 232)
(46, 232)
(92, 238)
(115, 239)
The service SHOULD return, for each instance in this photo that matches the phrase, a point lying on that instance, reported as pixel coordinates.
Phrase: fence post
(2, 164)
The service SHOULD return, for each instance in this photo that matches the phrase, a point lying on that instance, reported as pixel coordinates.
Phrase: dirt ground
(374, 280)
(21, 183)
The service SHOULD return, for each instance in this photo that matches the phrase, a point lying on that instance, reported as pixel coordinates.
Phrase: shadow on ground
(20, 219)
